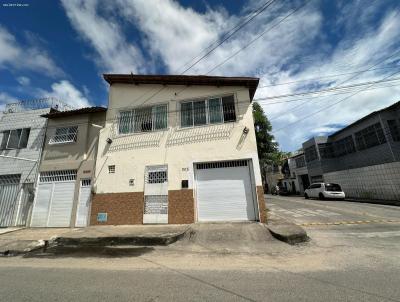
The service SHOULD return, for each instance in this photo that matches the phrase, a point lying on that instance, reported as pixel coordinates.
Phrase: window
(211, 111)
(300, 162)
(111, 169)
(325, 150)
(315, 186)
(64, 135)
(344, 146)
(311, 153)
(394, 130)
(157, 177)
(333, 188)
(15, 139)
(143, 119)
(370, 136)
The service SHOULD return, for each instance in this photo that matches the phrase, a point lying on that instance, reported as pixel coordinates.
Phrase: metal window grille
(156, 204)
(85, 182)
(63, 175)
(10, 179)
(214, 110)
(65, 135)
(143, 119)
(111, 169)
(156, 174)
(370, 136)
(222, 164)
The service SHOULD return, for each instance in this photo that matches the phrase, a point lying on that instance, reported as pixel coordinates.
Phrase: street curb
(118, 240)
(286, 231)
(40, 244)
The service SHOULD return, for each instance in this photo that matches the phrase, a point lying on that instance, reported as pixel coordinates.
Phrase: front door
(156, 195)
(83, 203)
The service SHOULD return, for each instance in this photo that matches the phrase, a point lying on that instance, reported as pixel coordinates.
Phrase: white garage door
(54, 199)
(224, 191)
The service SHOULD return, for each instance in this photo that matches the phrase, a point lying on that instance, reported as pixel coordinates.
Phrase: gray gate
(9, 189)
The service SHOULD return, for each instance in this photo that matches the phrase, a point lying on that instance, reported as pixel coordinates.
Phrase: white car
(324, 190)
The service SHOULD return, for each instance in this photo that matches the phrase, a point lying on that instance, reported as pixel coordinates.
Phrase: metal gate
(156, 195)
(9, 189)
(83, 203)
(54, 199)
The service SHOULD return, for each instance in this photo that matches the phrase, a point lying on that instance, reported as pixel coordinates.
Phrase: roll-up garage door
(224, 191)
(54, 199)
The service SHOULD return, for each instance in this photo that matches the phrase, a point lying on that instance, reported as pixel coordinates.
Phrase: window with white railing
(144, 119)
(213, 110)
(65, 135)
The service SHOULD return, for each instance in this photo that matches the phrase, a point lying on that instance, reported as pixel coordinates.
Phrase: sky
(61, 49)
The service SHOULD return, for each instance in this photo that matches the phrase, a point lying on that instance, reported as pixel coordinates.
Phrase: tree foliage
(268, 148)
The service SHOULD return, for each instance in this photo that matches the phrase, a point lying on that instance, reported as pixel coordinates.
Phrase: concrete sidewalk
(26, 240)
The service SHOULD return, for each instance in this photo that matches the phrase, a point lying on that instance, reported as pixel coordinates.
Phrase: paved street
(355, 261)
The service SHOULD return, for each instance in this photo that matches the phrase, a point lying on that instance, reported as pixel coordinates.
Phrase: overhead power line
(259, 36)
(331, 89)
(228, 35)
(324, 77)
(331, 105)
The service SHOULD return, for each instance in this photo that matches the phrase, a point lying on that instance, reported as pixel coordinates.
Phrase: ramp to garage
(229, 237)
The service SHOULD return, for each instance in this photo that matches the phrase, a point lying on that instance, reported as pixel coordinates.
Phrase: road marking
(377, 234)
(350, 222)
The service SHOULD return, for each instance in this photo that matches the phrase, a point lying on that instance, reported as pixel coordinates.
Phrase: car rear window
(333, 187)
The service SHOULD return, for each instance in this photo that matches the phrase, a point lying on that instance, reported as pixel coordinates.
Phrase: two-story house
(22, 130)
(67, 166)
(178, 149)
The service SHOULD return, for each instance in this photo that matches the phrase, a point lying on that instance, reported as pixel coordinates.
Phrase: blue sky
(60, 49)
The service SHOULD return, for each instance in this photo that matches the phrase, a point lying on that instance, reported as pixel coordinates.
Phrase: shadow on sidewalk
(89, 252)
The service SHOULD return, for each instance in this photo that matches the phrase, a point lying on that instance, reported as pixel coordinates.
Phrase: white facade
(176, 147)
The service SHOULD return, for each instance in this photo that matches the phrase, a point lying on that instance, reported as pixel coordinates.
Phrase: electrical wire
(329, 106)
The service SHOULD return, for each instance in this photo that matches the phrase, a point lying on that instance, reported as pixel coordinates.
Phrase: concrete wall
(371, 182)
(79, 155)
(179, 148)
(26, 119)
(28, 169)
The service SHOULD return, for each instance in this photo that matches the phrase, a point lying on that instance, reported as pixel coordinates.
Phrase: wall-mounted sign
(185, 169)
(86, 171)
(102, 217)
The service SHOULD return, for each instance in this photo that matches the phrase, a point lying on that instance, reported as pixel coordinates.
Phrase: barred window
(311, 153)
(394, 130)
(300, 162)
(325, 150)
(111, 169)
(210, 111)
(370, 137)
(344, 146)
(143, 119)
(64, 135)
(15, 139)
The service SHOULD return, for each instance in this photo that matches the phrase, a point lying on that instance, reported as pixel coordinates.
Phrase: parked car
(324, 190)
(283, 191)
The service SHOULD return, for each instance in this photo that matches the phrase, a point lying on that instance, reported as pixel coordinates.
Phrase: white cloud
(25, 56)
(5, 98)
(24, 81)
(67, 93)
(113, 52)
(298, 49)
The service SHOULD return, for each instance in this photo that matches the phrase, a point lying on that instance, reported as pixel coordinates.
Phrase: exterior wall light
(109, 140)
(245, 130)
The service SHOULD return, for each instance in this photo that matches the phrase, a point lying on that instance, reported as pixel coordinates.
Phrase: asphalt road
(355, 261)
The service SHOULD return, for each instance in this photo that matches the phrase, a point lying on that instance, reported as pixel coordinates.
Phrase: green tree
(267, 147)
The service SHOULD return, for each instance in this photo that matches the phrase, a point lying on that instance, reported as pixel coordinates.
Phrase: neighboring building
(67, 166)
(364, 157)
(178, 149)
(22, 132)
(273, 177)
(296, 178)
